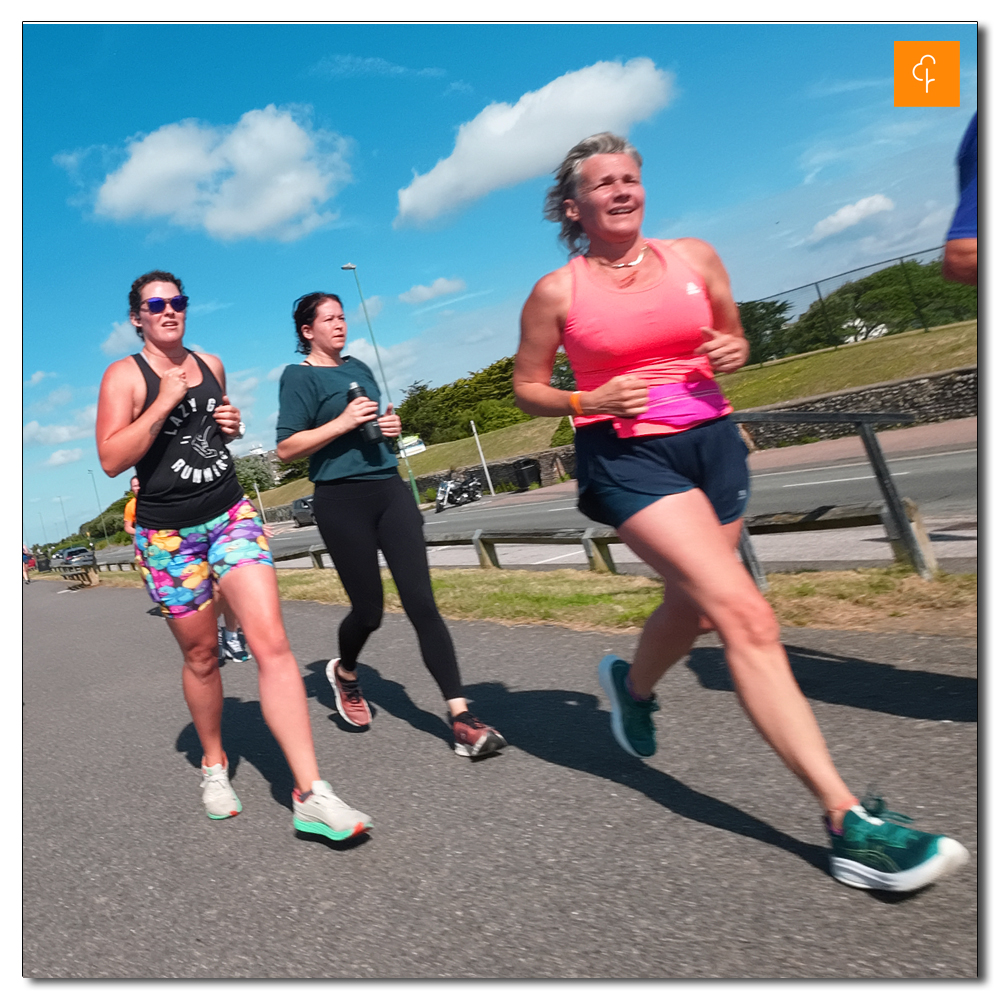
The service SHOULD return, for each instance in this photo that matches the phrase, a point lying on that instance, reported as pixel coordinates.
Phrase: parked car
(78, 555)
(302, 512)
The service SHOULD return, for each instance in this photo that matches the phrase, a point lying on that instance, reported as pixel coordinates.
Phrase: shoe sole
(326, 831)
(617, 727)
(494, 742)
(950, 856)
(331, 676)
(229, 815)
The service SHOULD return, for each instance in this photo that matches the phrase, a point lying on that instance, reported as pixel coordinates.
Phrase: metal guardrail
(898, 524)
(83, 576)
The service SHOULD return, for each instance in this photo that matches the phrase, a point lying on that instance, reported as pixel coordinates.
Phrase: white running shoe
(323, 813)
(216, 792)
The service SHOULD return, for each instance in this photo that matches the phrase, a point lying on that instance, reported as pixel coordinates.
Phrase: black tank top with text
(187, 477)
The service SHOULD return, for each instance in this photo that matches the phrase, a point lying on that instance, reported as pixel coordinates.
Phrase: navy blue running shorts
(618, 477)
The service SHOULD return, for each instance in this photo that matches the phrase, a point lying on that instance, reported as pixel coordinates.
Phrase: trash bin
(526, 472)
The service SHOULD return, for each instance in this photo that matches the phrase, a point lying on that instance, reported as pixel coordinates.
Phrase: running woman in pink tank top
(645, 324)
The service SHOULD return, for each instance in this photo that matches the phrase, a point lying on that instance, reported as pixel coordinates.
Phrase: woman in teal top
(361, 506)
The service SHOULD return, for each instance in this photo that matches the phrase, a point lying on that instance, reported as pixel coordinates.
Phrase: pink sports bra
(652, 333)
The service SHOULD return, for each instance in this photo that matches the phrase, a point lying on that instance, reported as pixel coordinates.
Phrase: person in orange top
(129, 513)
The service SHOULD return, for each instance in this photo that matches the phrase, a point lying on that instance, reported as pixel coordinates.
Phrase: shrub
(563, 434)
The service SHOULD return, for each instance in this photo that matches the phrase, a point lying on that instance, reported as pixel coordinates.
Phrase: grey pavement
(560, 858)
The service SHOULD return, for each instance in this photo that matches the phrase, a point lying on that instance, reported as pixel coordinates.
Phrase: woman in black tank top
(165, 411)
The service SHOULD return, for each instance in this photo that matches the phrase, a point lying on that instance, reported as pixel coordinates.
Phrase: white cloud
(64, 456)
(203, 308)
(850, 215)
(241, 390)
(504, 145)
(344, 65)
(35, 433)
(375, 305)
(55, 399)
(264, 177)
(397, 360)
(441, 306)
(275, 373)
(438, 287)
(38, 376)
(122, 341)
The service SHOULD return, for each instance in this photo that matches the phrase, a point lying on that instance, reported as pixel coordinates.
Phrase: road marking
(564, 555)
(853, 465)
(821, 482)
(551, 509)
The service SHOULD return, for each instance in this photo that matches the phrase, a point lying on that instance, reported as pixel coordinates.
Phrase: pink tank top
(652, 333)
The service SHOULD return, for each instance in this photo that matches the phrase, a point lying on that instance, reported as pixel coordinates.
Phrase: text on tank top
(187, 477)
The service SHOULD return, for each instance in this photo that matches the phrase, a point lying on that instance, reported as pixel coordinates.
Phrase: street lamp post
(44, 535)
(65, 519)
(385, 381)
(104, 531)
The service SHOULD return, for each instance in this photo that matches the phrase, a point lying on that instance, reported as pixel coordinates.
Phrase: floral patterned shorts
(179, 567)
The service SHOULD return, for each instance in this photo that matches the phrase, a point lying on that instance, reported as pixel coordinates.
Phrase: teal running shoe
(320, 811)
(631, 720)
(873, 851)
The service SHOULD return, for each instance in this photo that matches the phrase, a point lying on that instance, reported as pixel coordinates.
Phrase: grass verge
(863, 600)
(900, 356)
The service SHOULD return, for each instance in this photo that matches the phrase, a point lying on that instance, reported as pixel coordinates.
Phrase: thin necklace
(149, 357)
(630, 263)
(306, 361)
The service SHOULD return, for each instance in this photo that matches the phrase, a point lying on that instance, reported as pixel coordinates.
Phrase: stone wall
(946, 395)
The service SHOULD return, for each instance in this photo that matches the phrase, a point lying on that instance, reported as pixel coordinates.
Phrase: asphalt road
(562, 857)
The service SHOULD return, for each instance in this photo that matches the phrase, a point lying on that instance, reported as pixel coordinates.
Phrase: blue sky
(254, 160)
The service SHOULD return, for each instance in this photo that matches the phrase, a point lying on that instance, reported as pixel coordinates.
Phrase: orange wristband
(574, 402)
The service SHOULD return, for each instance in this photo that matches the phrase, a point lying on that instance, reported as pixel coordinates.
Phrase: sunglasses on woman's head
(156, 305)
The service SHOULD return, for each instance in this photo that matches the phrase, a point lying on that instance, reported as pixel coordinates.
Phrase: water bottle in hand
(370, 431)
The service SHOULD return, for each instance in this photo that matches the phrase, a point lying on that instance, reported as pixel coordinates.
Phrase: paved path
(563, 857)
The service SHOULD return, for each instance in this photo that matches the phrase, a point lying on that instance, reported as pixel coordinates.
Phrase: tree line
(903, 296)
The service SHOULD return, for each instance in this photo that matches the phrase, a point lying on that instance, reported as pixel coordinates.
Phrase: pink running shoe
(351, 703)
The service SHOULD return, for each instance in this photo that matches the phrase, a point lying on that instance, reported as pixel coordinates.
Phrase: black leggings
(358, 518)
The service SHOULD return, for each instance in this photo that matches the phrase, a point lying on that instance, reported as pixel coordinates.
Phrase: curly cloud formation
(264, 177)
(506, 144)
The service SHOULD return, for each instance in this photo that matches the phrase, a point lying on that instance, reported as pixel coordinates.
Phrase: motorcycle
(455, 493)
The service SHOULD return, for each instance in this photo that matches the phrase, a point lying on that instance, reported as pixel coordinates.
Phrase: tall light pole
(44, 536)
(104, 531)
(65, 520)
(385, 381)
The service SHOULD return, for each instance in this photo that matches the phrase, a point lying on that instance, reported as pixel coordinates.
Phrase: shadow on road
(245, 736)
(380, 693)
(568, 729)
(843, 680)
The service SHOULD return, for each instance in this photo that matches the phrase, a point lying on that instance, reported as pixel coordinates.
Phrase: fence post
(749, 556)
(486, 550)
(598, 551)
(913, 295)
(898, 522)
(826, 318)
